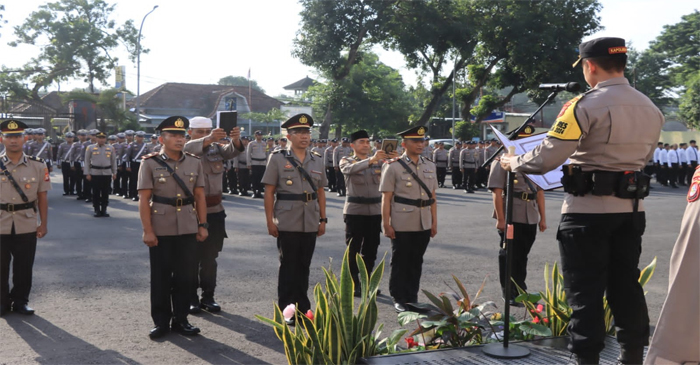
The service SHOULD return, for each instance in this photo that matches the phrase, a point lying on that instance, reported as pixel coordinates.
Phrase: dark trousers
(673, 174)
(295, 251)
(257, 174)
(100, 190)
(172, 269)
(362, 235)
(523, 238)
(662, 174)
(407, 251)
(20, 250)
(340, 182)
(481, 176)
(691, 171)
(456, 177)
(207, 252)
(123, 177)
(68, 178)
(469, 181)
(441, 173)
(78, 176)
(133, 179)
(330, 175)
(232, 180)
(243, 179)
(599, 256)
(682, 172)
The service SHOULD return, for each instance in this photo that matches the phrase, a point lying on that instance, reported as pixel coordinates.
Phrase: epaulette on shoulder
(277, 151)
(38, 159)
(393, 159)
(145, 157)
(191, 155)
(315, 153)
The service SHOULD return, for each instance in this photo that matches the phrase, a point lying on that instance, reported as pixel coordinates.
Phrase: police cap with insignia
(527, 131)
(302, 120)
(601, 47)
(12, 127)
(93, 132)
(175, 125)
(141, 133)
(259, 133)
(245, 138)
(283, 140)
(82, 132)
(121, 135)
(153, 136)
(112, 137)
(70, 135)
(417, 132)
(345, 139)
(100, 134)
(40, 131)
(129, 132)
(358, 135)
(458, 143)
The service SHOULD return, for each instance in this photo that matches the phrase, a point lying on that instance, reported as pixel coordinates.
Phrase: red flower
(536, 320)
(540, 308)
(411, 342)
(546, 320)
(310, 314)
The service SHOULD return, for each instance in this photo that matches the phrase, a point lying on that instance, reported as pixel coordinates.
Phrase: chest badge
(409, 184)
(288, 166)
(289, 182)
(693, 192)
(27, 186)
(161, 180)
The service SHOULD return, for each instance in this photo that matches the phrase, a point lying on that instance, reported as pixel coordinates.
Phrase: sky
(205, 40)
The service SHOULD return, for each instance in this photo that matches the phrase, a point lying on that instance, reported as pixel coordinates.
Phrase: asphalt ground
(91, 278)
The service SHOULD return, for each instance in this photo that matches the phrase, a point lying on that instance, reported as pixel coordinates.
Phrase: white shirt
(681, 155)
(663, 157)
(656, 154)
(691, 154)
(672, 157)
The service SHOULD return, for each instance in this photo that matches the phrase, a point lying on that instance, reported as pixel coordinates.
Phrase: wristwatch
(323, 220)
(204, 225)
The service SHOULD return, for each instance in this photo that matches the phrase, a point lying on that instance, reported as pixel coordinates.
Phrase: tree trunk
(432, 105)
(326, 125)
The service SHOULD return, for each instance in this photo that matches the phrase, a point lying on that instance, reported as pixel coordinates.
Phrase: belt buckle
(524, 197)
(308, 197)
(178, 202)
(10, 208)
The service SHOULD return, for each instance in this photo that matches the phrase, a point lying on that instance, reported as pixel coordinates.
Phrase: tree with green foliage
(240, 81)
(680, 44)
(109, 105)
(75, 40)
(689, 108)
(647, 72)
(372, 97)
(332, 36)
(2, 21)
(466, 130)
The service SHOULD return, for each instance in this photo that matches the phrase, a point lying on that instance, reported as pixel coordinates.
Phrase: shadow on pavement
(211, 351)
(56, 346)
(253, 330)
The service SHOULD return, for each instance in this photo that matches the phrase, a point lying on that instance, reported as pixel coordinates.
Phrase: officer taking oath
(173, 212)
(409, 215)
(608, 133)
(100, 170)
(23, 188)
(362, 210)
(205, 143)
(295, 209)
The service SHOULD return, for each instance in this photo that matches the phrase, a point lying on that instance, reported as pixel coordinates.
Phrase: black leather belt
(420, 203)
(258, 159)
(175, 202)
(362, 200)
(100, 167)
(15, 207)
(299, 197)
(525, 196)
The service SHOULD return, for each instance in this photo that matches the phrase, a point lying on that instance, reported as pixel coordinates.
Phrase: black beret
(601, 47)
(359, 135)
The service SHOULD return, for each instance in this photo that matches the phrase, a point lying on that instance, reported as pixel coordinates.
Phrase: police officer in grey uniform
(119, 150)
(41, 148)
(205, 143)
(76, 160)
(100, 170)
(295, 210)
(125, 175)
(241, 165)
(256, 159)
(339, 152)
(467, 165)
(409, 215)
(63, 158)
(330, 171)
(362, 210)
(173, 212)
(133, 154)
(608, 134)
(453, 156)
(24, 184)
(441, 160)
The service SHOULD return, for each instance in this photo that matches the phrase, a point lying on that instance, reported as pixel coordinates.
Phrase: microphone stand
(514, 134)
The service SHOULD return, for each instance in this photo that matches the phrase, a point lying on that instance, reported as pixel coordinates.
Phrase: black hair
(610, 64)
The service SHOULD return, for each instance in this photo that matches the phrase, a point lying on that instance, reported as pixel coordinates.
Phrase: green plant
(556, 312)
(335, 334)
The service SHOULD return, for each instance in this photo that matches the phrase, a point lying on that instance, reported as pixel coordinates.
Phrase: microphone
(571, 86)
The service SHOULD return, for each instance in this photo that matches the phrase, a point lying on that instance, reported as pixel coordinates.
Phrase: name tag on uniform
(160, 168)
(315, 172)
(95, 153)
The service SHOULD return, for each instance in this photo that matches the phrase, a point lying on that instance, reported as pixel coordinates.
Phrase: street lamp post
(138, 66)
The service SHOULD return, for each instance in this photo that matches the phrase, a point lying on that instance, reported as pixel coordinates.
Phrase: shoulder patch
(566, 126)
(316, 153)
(188, 154)
(276, 151)
(144, 157)
(34, 158)
(393, 159)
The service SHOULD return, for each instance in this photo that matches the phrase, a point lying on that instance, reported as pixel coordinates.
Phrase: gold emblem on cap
(421, 131)
(12, 125)
(529, 129)
(303, 119)
(179, 123)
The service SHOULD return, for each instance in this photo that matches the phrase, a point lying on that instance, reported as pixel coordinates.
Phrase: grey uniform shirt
(32, 176)
(168, 220)
(440, 157)
(256, 154)
(395, 178)
(453, 155)
(523, 211)
(43, 150)
(328, 156)
(468, 158)
(213, 159)
(619, 128)
(295, 215)
(361, 180)
(340, 152)
(96, 156)
(64, 152)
